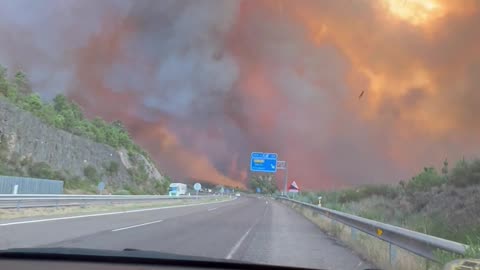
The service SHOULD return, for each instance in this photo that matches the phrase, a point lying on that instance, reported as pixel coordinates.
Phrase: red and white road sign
(293, 187)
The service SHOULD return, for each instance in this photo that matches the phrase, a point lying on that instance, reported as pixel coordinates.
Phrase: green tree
(3, 81)
(266, 183)
(33, 103)
(82, 128)
(47, 113)
(60, 103)
(425, 180)
(59, 121)
(119, 125)
(22, 83)
(112, 136)
(76, 110)
(12, 94)
(7, 89)
(70, 120)
(124, 140)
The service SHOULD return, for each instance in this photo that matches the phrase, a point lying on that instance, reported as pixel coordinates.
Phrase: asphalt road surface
(248, 229)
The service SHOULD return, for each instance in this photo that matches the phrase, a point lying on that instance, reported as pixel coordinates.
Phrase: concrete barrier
(381, 253)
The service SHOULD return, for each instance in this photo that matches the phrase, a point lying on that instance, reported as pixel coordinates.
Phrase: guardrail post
(18, 205)
(84, 203)
(353, 233)
(392, 253)
(56, 204)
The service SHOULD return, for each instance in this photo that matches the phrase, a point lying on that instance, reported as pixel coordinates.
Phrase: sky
(201, 84)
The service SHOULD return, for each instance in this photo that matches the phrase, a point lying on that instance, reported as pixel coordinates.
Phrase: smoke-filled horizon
(201, 84)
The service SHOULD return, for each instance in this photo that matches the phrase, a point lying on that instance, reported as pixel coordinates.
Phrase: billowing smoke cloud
(201, 84)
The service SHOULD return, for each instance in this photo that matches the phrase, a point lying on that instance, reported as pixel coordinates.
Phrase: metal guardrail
(9, 201)
(421, 244)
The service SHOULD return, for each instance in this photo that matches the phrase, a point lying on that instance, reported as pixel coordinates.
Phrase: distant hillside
(55, 141)
(444, 204)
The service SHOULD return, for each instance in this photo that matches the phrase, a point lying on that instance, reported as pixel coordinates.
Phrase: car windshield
(308, 133)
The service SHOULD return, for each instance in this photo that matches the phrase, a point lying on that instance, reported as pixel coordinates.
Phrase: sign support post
(282, 165)
(197, 188)
(285, 180)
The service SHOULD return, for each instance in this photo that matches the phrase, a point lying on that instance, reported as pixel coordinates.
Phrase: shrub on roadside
(133, 190)
(357, 194)
(161, 187)
(76, 183)
(41, 170)
(111, 168)
(425, 180)
(465, 173)
(58, 175)
(121, 192)
(139, 174)
(91, 173)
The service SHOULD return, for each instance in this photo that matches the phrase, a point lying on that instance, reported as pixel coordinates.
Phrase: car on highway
(237, 194)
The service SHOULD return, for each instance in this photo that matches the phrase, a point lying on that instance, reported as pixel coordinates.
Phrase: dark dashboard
(76, 259)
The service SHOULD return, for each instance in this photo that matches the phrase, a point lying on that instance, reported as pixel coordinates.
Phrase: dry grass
(9, 214)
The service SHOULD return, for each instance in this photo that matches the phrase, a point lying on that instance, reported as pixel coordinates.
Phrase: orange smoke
(97, 98)
(201, 89)
(400, 52)
(91, 64)
(386, 46)
(170, 154)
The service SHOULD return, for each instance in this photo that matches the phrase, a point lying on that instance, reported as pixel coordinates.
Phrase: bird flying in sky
(361, 94)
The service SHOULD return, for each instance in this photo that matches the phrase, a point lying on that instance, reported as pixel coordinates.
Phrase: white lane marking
(358, 265)
(212, 209)
(106, 214)
(135, 226)
(239, 242)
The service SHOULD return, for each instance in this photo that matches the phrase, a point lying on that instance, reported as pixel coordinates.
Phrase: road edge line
(240, 241)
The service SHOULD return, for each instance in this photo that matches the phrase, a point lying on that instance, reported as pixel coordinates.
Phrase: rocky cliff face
(27, 137)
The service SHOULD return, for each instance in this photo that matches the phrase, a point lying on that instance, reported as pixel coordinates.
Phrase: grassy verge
(10, 214)
(472, 252)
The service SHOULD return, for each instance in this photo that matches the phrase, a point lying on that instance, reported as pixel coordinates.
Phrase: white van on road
(177, 189)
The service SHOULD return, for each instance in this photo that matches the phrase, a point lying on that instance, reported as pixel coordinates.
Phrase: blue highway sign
(263, 162)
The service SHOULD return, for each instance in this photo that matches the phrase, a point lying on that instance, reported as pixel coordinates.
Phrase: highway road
(248, 229)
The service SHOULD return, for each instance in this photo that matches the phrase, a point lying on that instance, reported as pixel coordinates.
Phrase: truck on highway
(177, 189)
